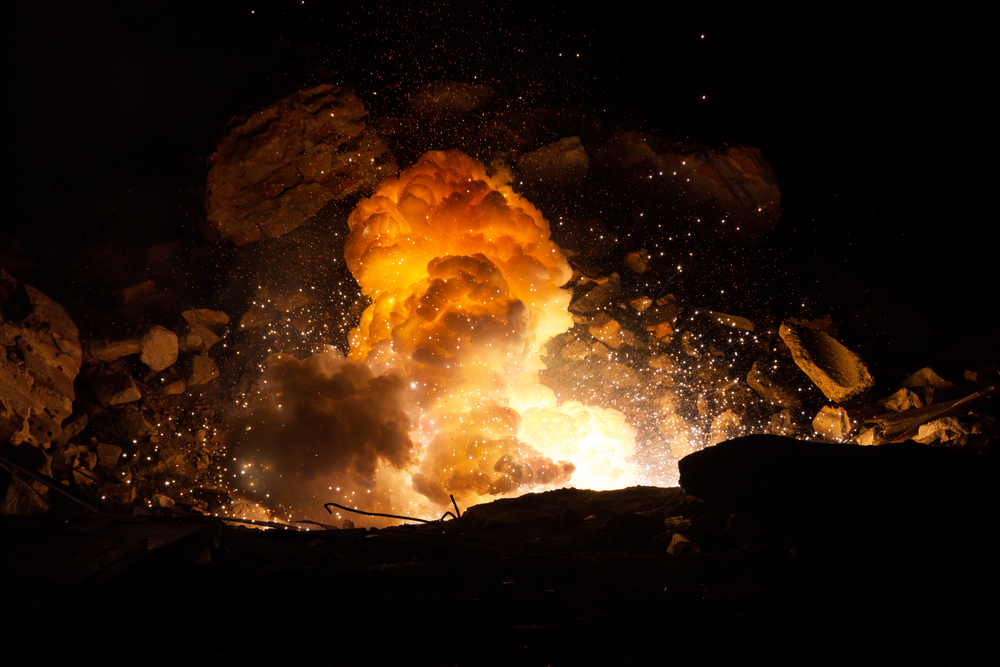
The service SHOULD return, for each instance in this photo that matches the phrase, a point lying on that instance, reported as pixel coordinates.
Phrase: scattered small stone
(203, 370)
(174, 388)
(160, 500)
(870, 437)
(944, 431)
(108, 455)
(109, 350)
(159, 348)
(832, 423)
(641, 304)
(904, 399)
(606, 329)
(926, 377)
(638, 261)
(600, 297)
(115, 388)
(781, 423)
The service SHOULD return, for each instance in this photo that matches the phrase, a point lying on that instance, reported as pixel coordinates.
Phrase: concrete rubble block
(606, 329)
(945, 431)
(277, 167)
(638, 261)
(159, 348)
(904, 399)
(599, 297)
(174, 388)
(839, 373)
(832, 423)
(781, 423)
(110, 350)
(870, 437)
(560, 163)
(771, 379)
(201, 330)
(115, 388)
(40, 356)
(641, 304)
(108, 455)
(202, 370)
(438, 98)
(926, 377)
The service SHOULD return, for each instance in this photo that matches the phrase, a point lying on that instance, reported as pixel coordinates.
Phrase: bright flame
(465, 284)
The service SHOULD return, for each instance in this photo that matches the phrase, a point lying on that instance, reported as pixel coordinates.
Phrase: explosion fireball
(440, 393)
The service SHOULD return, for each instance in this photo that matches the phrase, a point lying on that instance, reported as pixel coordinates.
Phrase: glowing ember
(465, 285)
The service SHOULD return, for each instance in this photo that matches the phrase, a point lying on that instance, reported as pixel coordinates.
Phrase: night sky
(876, 130)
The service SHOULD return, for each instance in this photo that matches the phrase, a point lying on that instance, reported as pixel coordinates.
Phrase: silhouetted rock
(782, 478)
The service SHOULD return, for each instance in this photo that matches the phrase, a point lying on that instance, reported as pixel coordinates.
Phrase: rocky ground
(121, 379)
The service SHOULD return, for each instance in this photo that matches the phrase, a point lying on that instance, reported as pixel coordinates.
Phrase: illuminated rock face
(277, 168)
(465, 286)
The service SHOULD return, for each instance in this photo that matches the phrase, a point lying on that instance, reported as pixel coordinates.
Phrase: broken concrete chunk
(606, 329)
(945, 431)
(559, 163)
(904, 399)
(277, 167)
(203, 370)
(109, 350)
(599, 297)
(641, 304)
(115, 388)
(839, 373)
(926, 377)
(201, 332)
(638, 261)
(40, 357)
(832, 423)
(159, 348)
(174, 388)
(781, 423)
(870, 437)
(108, 455)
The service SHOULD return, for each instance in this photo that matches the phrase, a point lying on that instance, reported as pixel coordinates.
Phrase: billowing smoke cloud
(320, 423)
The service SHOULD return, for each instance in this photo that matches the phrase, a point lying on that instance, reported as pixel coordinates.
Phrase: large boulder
(276, 168)
(40, 356)
(773, 477)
